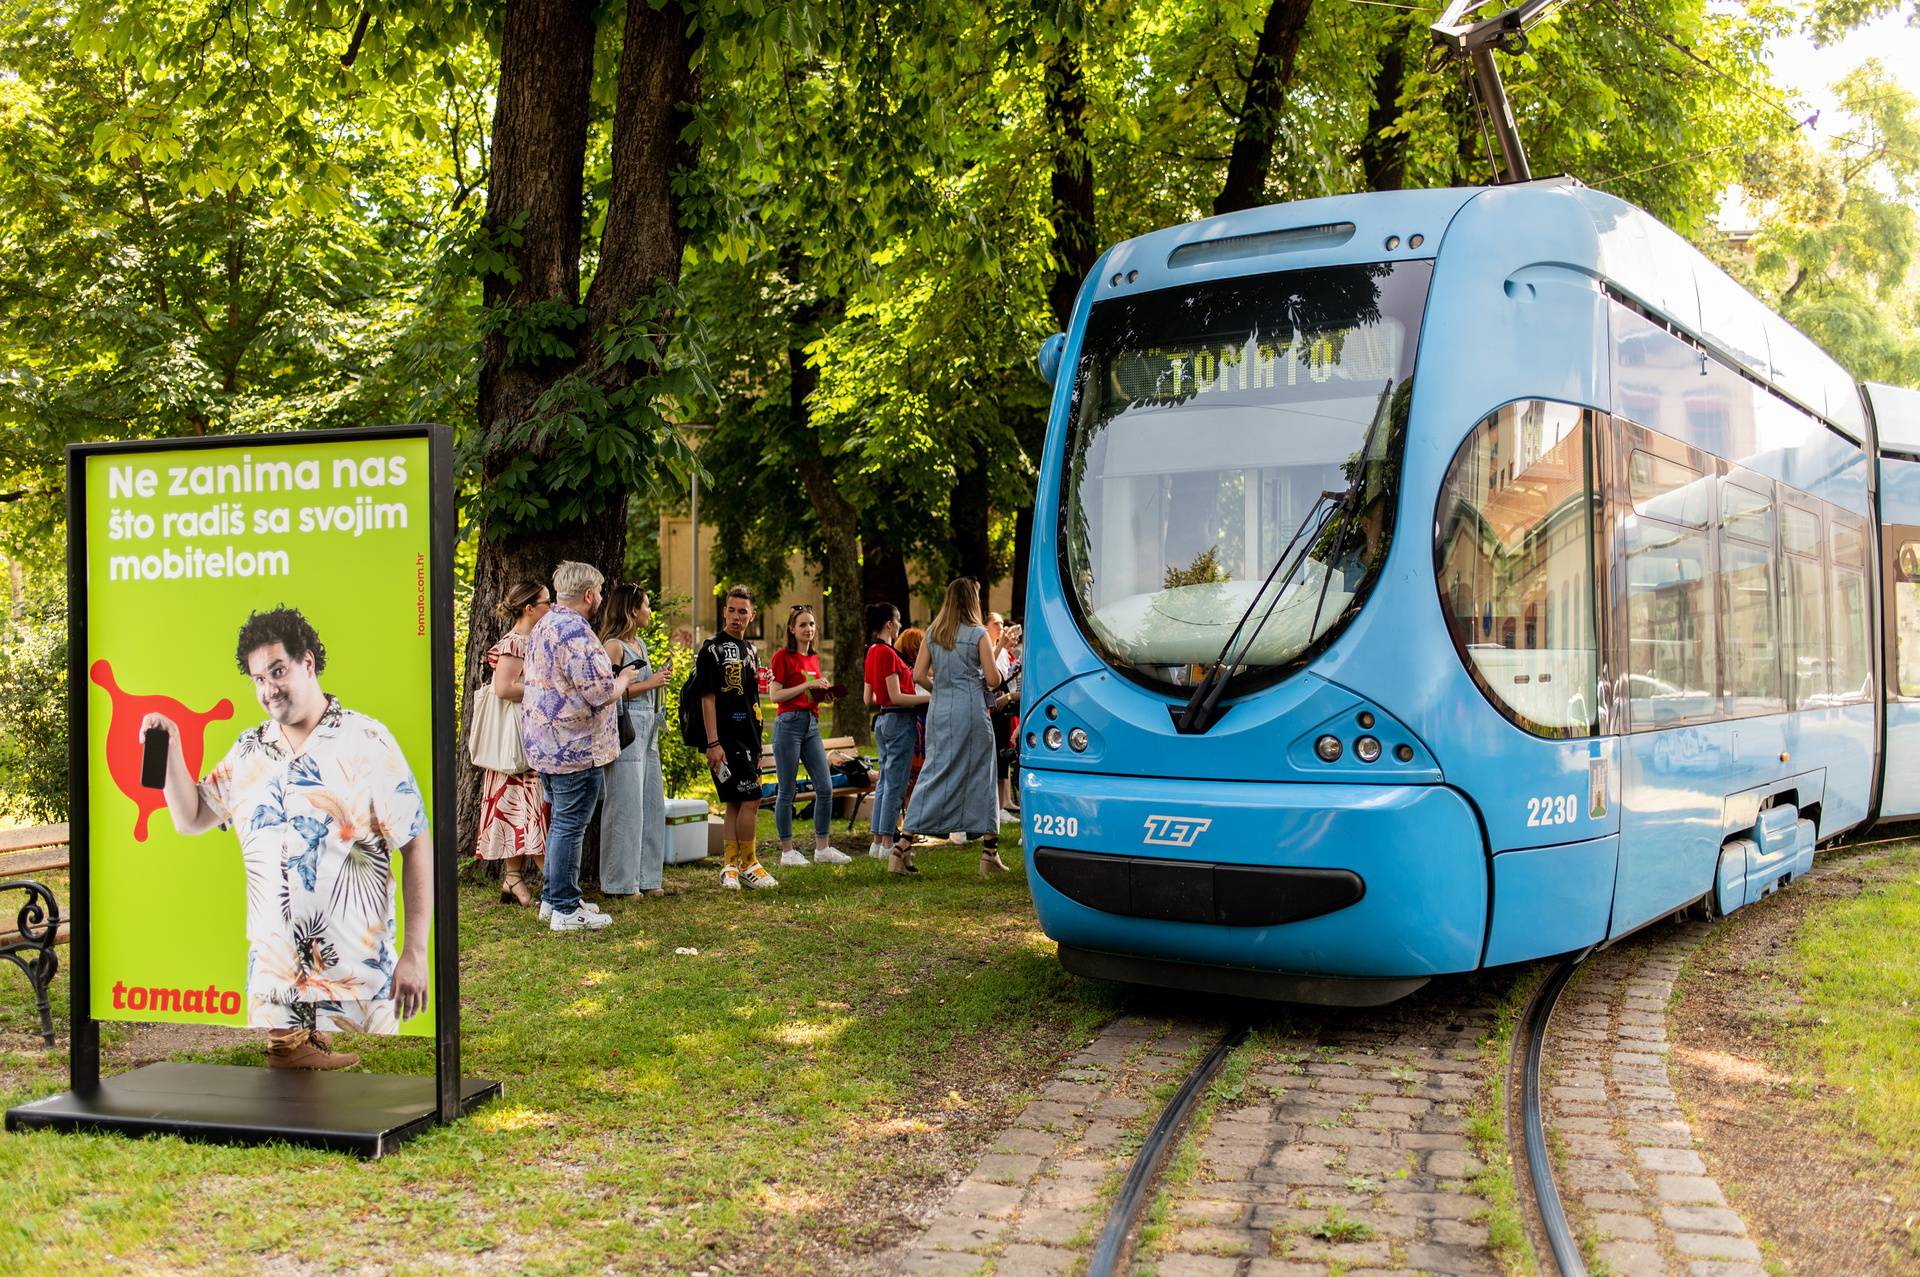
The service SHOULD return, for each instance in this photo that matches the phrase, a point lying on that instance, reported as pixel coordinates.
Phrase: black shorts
(743, 763)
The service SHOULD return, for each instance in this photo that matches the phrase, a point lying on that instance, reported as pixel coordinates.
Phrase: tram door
(1896, 415)
(1660, 512)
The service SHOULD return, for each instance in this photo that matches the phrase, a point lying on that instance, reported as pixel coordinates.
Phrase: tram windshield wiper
(1202, 709)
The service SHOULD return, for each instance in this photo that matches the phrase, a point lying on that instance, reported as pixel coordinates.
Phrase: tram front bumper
(1361, 881)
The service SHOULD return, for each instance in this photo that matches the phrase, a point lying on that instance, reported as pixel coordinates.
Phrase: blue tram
(1430, 580)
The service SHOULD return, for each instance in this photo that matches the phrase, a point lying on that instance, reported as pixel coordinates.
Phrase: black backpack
(693, 729)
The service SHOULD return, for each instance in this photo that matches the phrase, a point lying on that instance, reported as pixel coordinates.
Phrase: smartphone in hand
(153, 758)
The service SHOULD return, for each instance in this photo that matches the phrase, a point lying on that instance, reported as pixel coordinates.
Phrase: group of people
(944, 705)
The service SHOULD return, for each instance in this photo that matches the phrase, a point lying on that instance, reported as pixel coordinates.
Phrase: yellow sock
(732, 854)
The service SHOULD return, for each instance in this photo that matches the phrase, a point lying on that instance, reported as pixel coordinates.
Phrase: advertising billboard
(260, 661)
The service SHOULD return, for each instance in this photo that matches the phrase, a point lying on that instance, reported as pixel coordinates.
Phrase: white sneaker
(756, 876)
(578, 920)
(1008, 818)
(831, 856)
(876, 852)
(788, 859)
(546, 910)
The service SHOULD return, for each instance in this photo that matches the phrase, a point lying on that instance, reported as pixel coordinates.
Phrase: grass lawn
(767, 1103)
(1859, 969)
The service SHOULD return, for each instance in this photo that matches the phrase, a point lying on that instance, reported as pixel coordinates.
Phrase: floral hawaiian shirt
(567, 713)
(318, 830)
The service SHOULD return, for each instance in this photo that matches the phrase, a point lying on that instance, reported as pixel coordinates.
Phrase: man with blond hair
(568, 718)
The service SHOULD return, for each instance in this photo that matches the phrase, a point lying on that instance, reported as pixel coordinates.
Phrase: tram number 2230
(1059, 826)
(1552, 809)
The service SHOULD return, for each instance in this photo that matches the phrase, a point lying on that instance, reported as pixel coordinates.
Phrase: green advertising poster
(258, 642)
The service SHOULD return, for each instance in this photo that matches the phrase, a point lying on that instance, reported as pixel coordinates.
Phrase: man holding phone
(321, 799)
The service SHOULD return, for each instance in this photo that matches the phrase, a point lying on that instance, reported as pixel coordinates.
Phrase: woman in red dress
(513, 809)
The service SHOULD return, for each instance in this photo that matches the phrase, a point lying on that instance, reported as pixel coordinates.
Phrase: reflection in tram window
(1803, 608)
(1852, 660)
(1515, 564)
(1219, 431)
(1747, 596)
(1670, 626)
(1906, 591)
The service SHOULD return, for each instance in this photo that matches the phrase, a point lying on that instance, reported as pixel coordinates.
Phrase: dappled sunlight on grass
(511, 1117)
(586, 1008)
(806, 1033)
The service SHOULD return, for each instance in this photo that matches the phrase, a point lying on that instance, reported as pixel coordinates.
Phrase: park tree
(1835, 246)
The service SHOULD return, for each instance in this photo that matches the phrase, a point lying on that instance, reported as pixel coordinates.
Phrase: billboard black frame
(285, 1105)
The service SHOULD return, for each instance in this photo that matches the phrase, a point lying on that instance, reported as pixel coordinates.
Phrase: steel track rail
(1114, 1251)
(1553, 1215)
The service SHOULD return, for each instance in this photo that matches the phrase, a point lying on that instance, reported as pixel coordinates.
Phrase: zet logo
(1175, 831)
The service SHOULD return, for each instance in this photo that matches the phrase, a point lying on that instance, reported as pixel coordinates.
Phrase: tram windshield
(1218, 429)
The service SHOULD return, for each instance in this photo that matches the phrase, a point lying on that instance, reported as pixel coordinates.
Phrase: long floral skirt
(513, 816)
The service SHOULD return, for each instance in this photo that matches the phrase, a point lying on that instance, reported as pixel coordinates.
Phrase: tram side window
(1906, 597)
(1747, 597)
(1515, 564)
(1803, 599)
(1852, 659)
(1671, 666)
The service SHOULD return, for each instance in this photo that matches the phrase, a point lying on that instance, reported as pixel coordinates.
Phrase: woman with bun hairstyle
(633, 811)
(513, 808)
(957, 793)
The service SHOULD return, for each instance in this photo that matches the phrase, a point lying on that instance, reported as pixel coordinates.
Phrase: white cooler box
(686, 830)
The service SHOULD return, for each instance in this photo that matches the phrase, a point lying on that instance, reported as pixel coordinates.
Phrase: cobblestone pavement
(1033, 1205)
(1345, 1149)
(1636, 1189)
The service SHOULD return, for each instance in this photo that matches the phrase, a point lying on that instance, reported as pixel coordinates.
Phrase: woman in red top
(798, 692)
(891, 693)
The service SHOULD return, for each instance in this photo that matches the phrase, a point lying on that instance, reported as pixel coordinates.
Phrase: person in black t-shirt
(727, 672)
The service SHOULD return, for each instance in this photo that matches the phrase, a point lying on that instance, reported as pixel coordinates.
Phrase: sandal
(901, 864)
(990, 863)
(513, 890)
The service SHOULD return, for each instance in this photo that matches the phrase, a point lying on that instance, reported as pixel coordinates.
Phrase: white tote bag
(493, 738)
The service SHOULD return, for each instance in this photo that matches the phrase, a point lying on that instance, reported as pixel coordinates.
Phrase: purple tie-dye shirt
(567, 713)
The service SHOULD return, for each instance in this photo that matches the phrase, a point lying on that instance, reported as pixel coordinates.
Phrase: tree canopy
(832, 235)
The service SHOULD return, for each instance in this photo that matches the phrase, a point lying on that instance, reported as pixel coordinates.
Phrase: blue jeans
(574, 795)
(894, 732)
(796, 739)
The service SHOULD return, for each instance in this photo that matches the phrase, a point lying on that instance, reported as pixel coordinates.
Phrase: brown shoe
(299, 1049)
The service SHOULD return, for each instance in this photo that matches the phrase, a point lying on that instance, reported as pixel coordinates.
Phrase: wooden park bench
(38, 927)
(839, 750)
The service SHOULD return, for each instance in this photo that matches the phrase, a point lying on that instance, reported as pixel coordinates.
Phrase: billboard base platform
(367, 1114)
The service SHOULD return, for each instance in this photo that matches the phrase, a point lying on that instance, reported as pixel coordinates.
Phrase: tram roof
(1597, 234)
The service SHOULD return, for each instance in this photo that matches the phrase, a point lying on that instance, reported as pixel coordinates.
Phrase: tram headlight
(1403, 752)
(1053, 738)
(1367, 749)
(1328, 747)
(1077, 740)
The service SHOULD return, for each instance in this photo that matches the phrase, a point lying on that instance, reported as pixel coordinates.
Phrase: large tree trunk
(969, 521)
(846, 614)
(1384, 159)
(1252, 159)
(883, 573)
(1075, 245)
(539, 155)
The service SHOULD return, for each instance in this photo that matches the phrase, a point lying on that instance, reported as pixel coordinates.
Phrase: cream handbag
(493, 738)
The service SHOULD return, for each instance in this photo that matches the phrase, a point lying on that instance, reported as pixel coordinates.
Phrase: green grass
(760, 1103)
(1487, 1132)
(1859, 972)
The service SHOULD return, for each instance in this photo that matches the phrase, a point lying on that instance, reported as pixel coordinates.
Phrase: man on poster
(321, 798)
